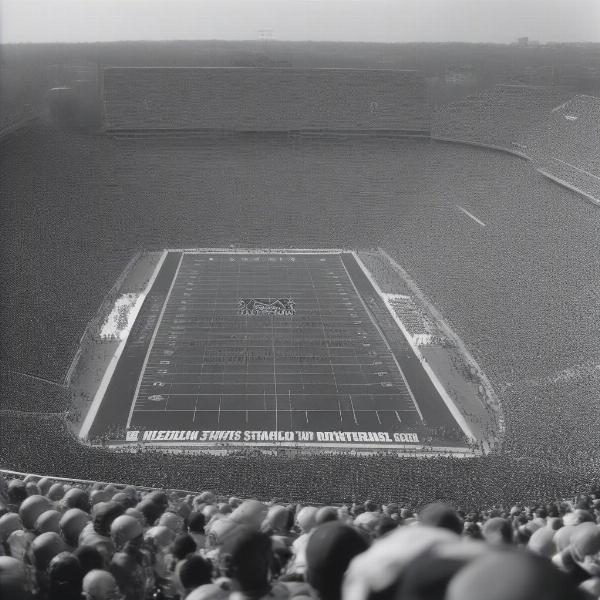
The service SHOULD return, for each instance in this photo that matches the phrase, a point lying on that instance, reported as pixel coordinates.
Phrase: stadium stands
(569, 151)
(265, 99)
(63, 540)
(508, 117)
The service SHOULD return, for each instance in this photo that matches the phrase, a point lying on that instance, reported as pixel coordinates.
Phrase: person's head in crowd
(542, 542)
(330, 549)
(129, 575)
(90, 558)
(77, 498)
(326, 514)
(246, 557)
(208, 591)
(65, 576)
(19, 543)
(441, 515)
(44, 485)
(49, 520)
(276, 520)
(16, 492)
(234, 502)
(9, 522)
(183, 545)
(306, 518)
(510, 575)
(497, 531)
(31, 508)
(104, 514)
(251, 513)
(196, 524)
(384, 526)
(472, 531)
(71, 525)
(56, 492)
(192, 572)
(368, 522)
(207, 497)
(125, 528)
(172, 520)
(31, 488)
(584, 547)
(100, 585)
(44, 548)
(150, 510)
(160, 538)
(370, 506)
(13, 579)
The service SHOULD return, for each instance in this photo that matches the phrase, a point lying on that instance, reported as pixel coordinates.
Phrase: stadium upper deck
(272, 99)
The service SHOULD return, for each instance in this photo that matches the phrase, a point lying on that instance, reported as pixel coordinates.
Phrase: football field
(263, 347)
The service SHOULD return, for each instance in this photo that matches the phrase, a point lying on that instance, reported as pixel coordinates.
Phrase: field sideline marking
(158, 322)
(448, 401)
(470, 215)
(112, 365)
(381, 335)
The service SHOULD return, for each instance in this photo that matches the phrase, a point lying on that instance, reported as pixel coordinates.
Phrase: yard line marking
(377, 413)
(470, 215)
(398, 417)
(353, 411)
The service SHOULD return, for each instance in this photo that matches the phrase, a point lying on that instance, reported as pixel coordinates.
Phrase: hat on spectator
(510, 574)
(161, 535)
(8, 523)
(56, 492)
(207, 497)
(497, 531)
(209, 510)
(250, 512)
(124, 529)
(130, 491)
(89, 558)
(44, 485)
(562, 537)
(12, 579)
(277, 518)
(150, 510)
(19, 542)
(72, 523)
(32, 488)
(368, 521)
(100, 585)
(218, 530)
(31, 508)
(234, 502)
(246, 555)
(65, 570)
(542, 542)
(158, 497)
(326, 514)
(171, 520)
(183, 545)
(585, 541)
(77, 498)
(196, 522)
(441, 515)
(48, 521)
(45, 547)
(193, 571)
(97, 496)
(330, 549)
(427, 578)
(16, 491)
(306, 518)
(104, 514)
(385, 561)
(209, 591)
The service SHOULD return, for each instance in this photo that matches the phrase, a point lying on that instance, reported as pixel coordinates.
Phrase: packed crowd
(69, 541)
(322, 477)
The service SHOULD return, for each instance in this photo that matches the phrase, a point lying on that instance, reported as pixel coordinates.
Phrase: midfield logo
(266, 307)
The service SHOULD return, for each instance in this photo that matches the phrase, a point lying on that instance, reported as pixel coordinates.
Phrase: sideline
(99, 396)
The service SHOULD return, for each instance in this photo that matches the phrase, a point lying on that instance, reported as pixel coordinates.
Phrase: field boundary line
(154, 334)
(112, 365)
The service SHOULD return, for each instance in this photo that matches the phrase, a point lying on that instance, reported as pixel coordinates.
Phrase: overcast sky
(344, 20)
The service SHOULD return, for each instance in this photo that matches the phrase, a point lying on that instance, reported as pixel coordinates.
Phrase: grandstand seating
(66, 539)
(570, 150)
(267, 99)
(509, 117)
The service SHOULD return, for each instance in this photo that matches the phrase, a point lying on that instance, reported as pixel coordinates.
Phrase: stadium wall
(157, 99)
